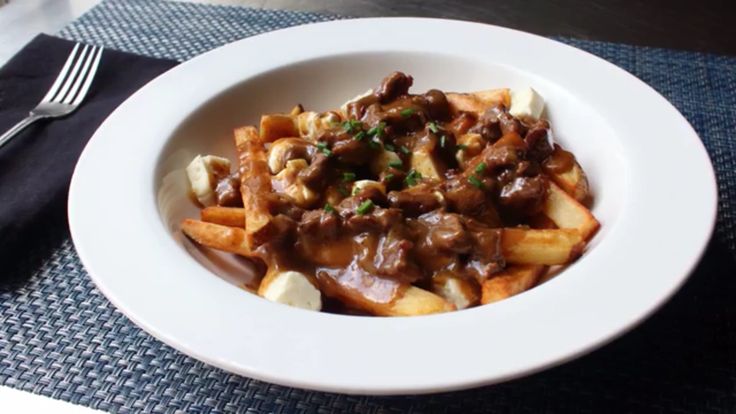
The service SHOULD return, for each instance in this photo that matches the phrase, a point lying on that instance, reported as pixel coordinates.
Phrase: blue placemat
(61, 338)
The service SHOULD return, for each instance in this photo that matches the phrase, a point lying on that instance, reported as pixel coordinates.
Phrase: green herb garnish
(412, 177)
(348, 176)
(359, 136)
(389, 147)
(475, 181)
(395, 164)
(480, 168)
(461, 147)
(443, 141)
(365, 207)
(405, 150)
(351, 125)
(407, 112)
(329, 208)
(377, 130)
(433, 127)
(322, 146)
(389, 177)
(374, 144)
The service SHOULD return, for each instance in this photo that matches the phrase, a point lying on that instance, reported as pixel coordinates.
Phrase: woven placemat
(61, 338)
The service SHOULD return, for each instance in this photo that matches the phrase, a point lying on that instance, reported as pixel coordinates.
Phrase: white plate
(654, 188)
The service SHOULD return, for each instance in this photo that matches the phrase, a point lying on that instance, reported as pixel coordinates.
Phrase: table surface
(705, 26)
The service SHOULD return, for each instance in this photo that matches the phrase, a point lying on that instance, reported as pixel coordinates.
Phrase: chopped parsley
(475, 182)
(404, 149)
(461, 147)
(359, 136)
(433, 127)
(389, 147)
(374, 144)
(412, 177)
(329, 208)
(348, 176)
(389, 177)
(480, 168)
(407, 112)
(395, 164)
(365, 207)
(352, 125)
(356, 190)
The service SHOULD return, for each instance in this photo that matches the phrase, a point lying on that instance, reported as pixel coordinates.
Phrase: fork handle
(7, 136)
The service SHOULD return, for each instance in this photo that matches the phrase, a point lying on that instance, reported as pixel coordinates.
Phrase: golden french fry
(512, 281)
(255, 185)
(568, 213)
(478, 102)
(296, 110)
(541, 247)
(226, 216)
(228, 239)
(382, 297)
(565, 171)
(277, 126)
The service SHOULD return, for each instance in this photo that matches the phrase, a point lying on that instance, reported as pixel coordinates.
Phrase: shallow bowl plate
(128, 195)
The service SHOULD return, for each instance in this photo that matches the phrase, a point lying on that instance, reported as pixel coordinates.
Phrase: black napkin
(37, 165)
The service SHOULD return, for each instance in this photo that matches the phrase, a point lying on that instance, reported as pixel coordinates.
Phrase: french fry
(478, 102)
(568, 213)
(296, 110)
(512, 281)
(255, 184)
(573, 180)
(216, 236)
(275, 126)
(225, 216)
(541, 247)
(382, 297)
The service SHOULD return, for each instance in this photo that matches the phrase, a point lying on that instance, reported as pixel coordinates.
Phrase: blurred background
(705, 25)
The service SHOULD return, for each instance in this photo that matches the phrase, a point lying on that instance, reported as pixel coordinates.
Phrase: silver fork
(68, 90)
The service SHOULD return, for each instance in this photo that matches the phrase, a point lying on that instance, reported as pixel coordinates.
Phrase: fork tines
(72, 83)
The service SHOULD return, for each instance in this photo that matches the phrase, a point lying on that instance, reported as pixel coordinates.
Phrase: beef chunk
(414, 200)
(320, 224)
(446, 232)
(393, 86)
(524, 195)
(228, 191)
(315, 176)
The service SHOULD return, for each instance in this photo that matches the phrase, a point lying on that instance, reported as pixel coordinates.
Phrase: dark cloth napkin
(37, 165)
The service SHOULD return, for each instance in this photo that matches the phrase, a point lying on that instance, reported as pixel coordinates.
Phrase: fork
(68, 90)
